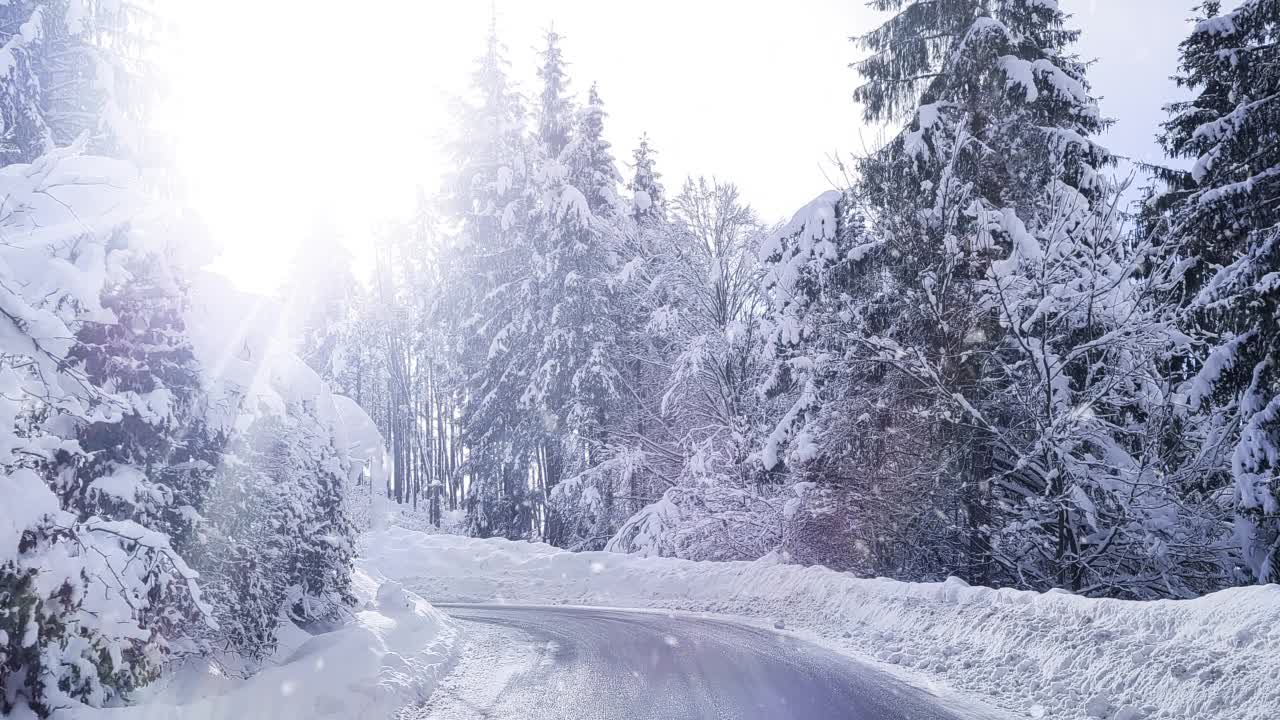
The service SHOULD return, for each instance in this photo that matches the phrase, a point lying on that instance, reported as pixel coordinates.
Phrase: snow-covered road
(536, 663)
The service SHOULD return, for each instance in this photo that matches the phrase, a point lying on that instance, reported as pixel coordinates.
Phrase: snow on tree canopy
(82, 584)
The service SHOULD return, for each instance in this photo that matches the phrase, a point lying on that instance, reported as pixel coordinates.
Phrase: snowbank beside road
(390, 655)
(1050, 655)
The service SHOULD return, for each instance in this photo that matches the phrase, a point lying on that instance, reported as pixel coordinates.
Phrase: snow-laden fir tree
(839, 435)
(1226, 228)
(93, 599)
(243, 546)
(555, 116)
(151, 459)
(996, 111)
(25, 132)
(487, 199)
(310, 468)
(648, 197)
(111, 441)
(623, 475)
(577, 231)
(275, 541)
(589, 161)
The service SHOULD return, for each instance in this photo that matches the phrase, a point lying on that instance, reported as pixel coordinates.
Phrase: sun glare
(301, 116)
(323, 112)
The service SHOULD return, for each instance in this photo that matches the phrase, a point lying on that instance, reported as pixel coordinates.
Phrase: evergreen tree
(276, 540)
(309, 468)
(94, 595)
(152, 461)
(488, 260)
(243, 544)
(625, 475)
(555, 108)
(589, 161)
(648, 198)
(1226, 225)
(996, 111)
(576, 232)
(841, 433)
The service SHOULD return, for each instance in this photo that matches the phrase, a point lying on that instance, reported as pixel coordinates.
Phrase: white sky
(290, 112)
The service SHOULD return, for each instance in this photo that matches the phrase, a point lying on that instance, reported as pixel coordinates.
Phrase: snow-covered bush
(276, 536)
(704, 521)
(277, 540)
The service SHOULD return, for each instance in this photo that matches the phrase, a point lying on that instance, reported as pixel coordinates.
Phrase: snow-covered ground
(1050, 655)
(391, 654)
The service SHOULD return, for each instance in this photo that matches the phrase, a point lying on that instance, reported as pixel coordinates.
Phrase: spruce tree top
(649, 197)
(555, 113)
(589, 158)
(490, 152)
(998, 67)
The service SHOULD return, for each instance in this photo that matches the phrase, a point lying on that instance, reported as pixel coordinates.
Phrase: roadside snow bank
(390, 655)
(1050, 655)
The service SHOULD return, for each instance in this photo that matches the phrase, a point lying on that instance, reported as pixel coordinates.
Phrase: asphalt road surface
(540, 663)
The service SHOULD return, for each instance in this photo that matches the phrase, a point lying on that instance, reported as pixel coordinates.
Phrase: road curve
(598, 664)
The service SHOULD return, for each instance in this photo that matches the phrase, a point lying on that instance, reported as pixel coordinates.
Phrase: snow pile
(1050, 655)
(365, 446)
(391, 654)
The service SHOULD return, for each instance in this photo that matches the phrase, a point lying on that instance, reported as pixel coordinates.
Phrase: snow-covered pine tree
(838, 435)
(244, 546)
(996, 110)
(555, 104)
(577, 232)
(588, 159)
(276, 540)
(311, 471)
(151, 459)
(648, 197)
(811, 277)
(626, 473)
(1227, 227)
(87, 598)
(487, 200)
